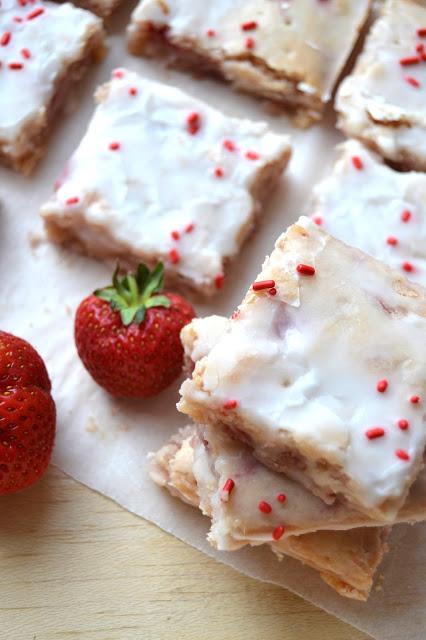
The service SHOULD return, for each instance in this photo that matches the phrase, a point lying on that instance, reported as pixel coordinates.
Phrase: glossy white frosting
(366, 209)
(308, 40)
(162, 179)
(376, 103)
(303, 366)
(44, 45)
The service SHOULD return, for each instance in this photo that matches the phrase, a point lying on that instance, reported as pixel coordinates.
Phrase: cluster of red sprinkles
(193, 126)
(248, 26)
(393, 241)
(412, 60)
(265, 285)
(373, 433)
(174, 255)
(6, 36)
(263, 506)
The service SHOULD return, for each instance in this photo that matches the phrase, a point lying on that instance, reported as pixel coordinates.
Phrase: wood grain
(74, 565)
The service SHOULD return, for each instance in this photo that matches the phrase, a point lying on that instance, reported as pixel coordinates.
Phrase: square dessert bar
(322, 373)
(44, 49)
(383, 102)
(219, 458)
(346, 560)
(162, 176)
(376, 209)
(288, 52)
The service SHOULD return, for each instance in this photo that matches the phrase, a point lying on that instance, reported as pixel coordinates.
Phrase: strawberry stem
(135, 292)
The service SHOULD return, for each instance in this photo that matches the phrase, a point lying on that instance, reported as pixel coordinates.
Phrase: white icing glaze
(364, 208)
(378, 94)
(162, 179)
(303, 366)
(52, 40)
(309, 40)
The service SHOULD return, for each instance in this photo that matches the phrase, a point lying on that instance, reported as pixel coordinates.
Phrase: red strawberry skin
(137, 360)
(27, 415)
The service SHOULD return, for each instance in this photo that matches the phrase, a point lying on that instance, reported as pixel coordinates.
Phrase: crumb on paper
(68, 310)
(379, 585)
(35, 239)
(91, 426)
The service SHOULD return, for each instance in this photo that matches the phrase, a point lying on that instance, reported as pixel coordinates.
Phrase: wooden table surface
(75, 565)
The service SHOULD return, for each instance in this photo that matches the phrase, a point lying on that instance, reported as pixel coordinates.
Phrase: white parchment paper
(102, 442)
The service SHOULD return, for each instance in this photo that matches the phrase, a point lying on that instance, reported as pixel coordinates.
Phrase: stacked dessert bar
(311, 398)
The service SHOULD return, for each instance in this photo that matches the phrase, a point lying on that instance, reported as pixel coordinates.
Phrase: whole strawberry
(127, 334)
(27, 415)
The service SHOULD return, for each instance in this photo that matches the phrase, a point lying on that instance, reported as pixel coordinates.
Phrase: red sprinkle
(174, 256)
(264, 507)
(230, 404)
(211, 33)
(175, 235)
(114, 146)
(408, 60)
(227, 489)
(219, 280)
(413, 81)
(219, 172)
(263, 284)
(252, 155)
(272, 292)
(73, 200)
(15, 66)
(249, 26)
(403, 424)
(382, 385)
(408, 267)
(278, 532)
(392, 241)
(118, 73)
(5, 39)
(421, 32)
(18, 19)
(375, 432)
(406, 215)
(189, 227)
(420, 47)
(415, 399)
(133, 91)
(305, 270)
(35, 13)
(235, 314)
(229, 145)
(317, 220)
(281, 497)
(193, 123)
(402, 454)
(26, 53)
(249, 43)
(357, 163)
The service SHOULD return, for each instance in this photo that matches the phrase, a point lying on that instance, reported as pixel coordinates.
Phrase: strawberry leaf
(134, 293)
(157, 301)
